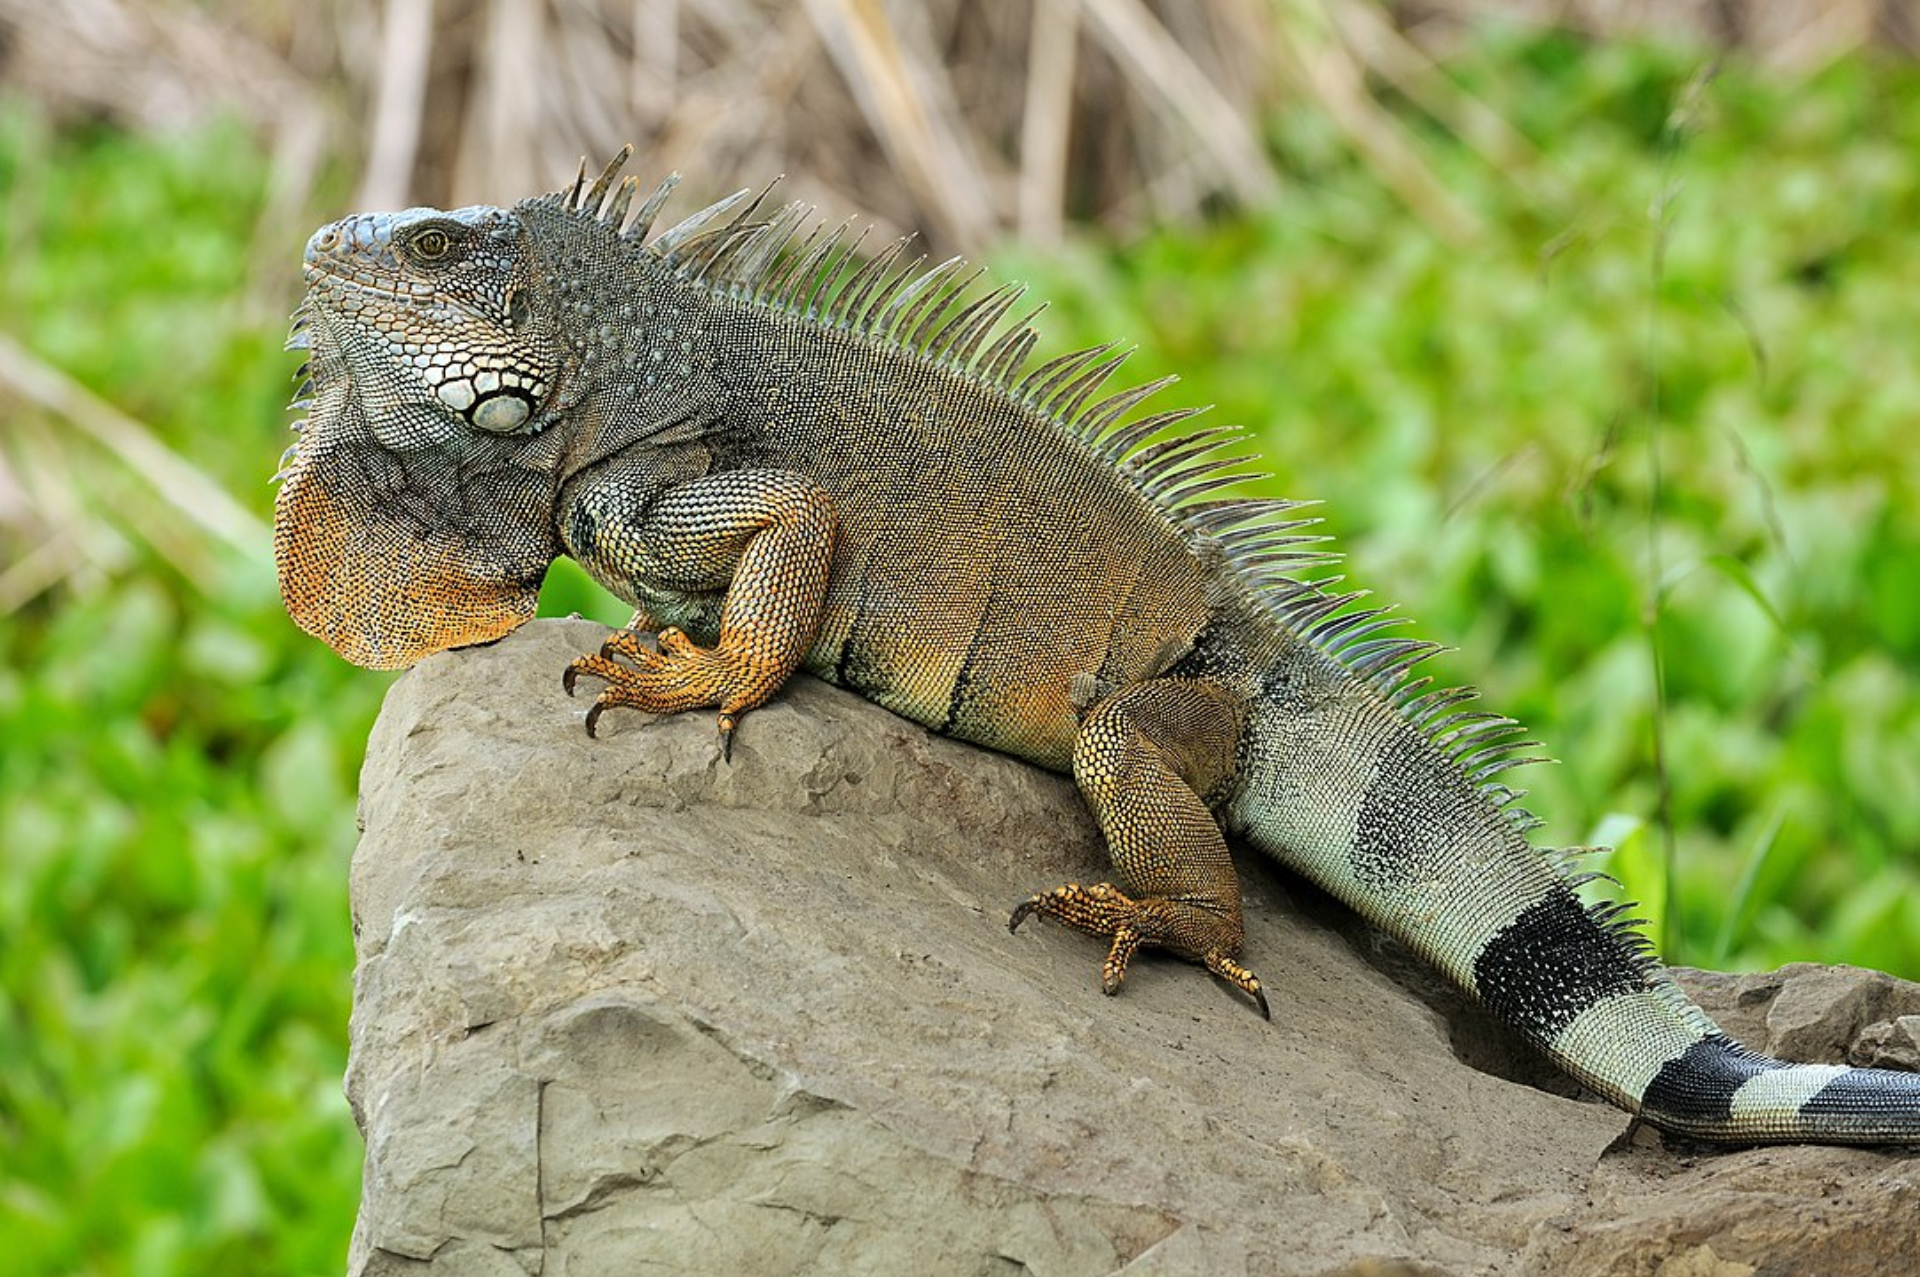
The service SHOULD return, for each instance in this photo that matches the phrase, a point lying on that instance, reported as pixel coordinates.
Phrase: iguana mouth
(337, 280)
(322, 273)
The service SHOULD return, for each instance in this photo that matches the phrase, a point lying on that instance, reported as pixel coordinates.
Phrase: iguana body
(785, 461)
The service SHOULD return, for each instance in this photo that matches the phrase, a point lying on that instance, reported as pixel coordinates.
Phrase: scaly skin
(783, 461)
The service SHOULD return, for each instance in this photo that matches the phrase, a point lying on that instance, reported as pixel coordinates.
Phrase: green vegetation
(1736, 292)
(177, 778)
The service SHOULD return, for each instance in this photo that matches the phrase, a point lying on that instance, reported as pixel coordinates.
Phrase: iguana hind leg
(1143, 759)
(764, 537)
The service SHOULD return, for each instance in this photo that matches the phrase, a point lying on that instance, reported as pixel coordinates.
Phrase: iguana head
(416, 511)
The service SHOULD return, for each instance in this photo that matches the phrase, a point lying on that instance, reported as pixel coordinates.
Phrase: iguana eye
(430, 245)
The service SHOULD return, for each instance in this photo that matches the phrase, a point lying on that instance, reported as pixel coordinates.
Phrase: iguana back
(784, 457)
(960, 533)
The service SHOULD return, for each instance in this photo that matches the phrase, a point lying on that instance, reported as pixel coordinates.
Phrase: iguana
(785, 456)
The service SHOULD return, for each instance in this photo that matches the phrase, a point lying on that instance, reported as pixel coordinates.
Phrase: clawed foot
(1104, 910)
(672, 674)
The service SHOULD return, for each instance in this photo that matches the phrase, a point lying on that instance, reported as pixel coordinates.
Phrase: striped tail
(1378, 811)
(1588, 994)
(1719, 1090)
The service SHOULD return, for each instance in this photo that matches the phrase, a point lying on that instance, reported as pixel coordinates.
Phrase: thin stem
(1679, 121)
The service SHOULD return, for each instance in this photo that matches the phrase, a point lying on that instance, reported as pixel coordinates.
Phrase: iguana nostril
(324, 241)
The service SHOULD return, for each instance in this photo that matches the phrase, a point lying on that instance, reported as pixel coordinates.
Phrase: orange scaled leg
(1143, 758)
(767, 538)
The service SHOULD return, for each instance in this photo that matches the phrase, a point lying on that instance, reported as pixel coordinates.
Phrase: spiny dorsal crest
(787, 261)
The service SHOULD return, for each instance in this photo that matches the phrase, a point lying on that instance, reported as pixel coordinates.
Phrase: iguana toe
(1240, 978)
(1113, 971)
(627, 642)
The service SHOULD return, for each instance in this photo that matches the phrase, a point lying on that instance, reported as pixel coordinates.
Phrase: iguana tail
(1383, 800)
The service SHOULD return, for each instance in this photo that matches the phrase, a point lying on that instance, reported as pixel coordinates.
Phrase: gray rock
(1808, 1012)
(622, 1008)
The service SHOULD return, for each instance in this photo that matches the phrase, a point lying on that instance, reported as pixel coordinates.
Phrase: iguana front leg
(1143, 759)
(763, 537)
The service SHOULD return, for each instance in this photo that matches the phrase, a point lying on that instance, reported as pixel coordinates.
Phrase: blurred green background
(1597, 345)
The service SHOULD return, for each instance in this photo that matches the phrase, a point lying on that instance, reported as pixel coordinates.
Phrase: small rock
(1888, 1044)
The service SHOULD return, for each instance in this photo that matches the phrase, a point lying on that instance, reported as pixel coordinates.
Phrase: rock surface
(621, 1008)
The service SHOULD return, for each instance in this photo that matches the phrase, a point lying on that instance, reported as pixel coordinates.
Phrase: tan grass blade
(1046, 118)
(912, 122)
(1160, 67)
(175, 480)
(399, 102)
(1329, 71)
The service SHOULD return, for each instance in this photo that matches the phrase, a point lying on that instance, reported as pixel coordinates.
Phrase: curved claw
(1240, 978)
(1022, 912)
(669, 672)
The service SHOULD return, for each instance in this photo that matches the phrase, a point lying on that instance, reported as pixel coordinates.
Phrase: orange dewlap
(380, 592)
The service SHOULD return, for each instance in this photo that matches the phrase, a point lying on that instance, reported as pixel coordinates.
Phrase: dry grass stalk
(904, 100)
(1795, 36)
(969, 119)
(1326, 66)
(965, 118)
(399, 100)
(1046, 120)
(183, 512)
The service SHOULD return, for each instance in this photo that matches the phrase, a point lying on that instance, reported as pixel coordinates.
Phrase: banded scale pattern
(786, 454)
